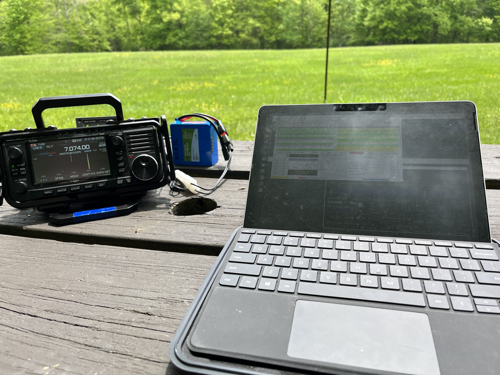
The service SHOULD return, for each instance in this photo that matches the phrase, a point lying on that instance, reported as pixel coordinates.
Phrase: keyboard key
(485, 302)
(296, 234)
(490, 266)
(294, 251)
(368, 281)
(404, 241)
(311, 253)
(362, 294)
(484, 246)
(367, 239)
(418, 250)
(259, 249)
(412, 285)
(286, 286)
(337, 266)
(378, 269)
(470, 265)
(310, 276)
(438, 302)
(443, 243)
(423, 242)
(361, 246)
(244, 237)
(242, 258)
(438, 251)
(265, 232)
(229, 280)
(457, 289)
(248, 282)
(308, 242)
(346, 279)
(448, 263)
(343, 245)
(427, 262)
(463, 276)
(243, 269)
(242, 247)
(279, 233)
(441, 275)
(488, 309)
(459, 253)
(267, 284)
(385, 240)
(358, 268)
(291, 241)
(349, 256)
(319, 264)
(330, 254)
(386, 258)
(399, 249)
(330, 237)
(300, 263)
(313, 235)
(271, 272)
(488, 278)
(258, 238)
(398, 271)
(389, 283)
(289, 274)
(276, 250)
(461, 304)
(407, 260)
(435, 287)
(464, 245)
(367, 258)
(487, 291)
(349, 238)
(419, 273)
(328, 277)
(249, 231)
(325, 244)
(380, 248)
(483, 254)
(265, 260)
(282, 262)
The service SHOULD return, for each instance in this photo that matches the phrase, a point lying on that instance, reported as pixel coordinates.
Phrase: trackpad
(376, 339)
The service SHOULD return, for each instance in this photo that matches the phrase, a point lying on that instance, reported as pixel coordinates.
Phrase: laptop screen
(396, 169)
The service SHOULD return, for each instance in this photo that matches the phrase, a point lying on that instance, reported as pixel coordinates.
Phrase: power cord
(185, 182)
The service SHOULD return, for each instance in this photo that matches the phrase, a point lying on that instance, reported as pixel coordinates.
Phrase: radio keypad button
(61, 190)
(48, 192)
(128, 180)
(75, 188)
(101, 184)
(119, 182)
(119, 153)
(121, 170)
(119, 158)
(121, 164)
(88, 186)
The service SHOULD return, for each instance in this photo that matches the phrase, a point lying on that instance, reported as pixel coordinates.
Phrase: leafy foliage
(51, 26)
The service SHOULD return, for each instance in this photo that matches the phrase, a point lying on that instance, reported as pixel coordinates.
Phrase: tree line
(62, 26)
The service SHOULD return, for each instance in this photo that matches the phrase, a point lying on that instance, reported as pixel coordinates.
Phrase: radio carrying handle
(74, 101)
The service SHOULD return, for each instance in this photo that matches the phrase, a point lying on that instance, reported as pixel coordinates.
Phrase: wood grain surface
(68, 308)
(152, 226)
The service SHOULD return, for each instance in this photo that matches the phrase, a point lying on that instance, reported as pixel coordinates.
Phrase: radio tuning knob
(116, 141)
(20, 187)
(14, 152)
(144, 167)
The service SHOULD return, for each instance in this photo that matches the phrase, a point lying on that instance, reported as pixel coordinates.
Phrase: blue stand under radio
(194, 143)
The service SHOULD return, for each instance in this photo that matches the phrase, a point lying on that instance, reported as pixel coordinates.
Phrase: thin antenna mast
(327, 45)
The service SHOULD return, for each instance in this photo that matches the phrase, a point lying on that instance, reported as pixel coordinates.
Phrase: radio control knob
(144, 167)
(20, 187)
(116, 141)
(14, 152)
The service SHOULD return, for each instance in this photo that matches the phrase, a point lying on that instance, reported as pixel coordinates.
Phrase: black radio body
(51, 169)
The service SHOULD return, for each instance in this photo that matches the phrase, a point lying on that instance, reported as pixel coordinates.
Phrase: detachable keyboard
(438, 274)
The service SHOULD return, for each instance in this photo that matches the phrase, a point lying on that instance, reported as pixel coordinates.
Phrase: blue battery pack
(194, 143)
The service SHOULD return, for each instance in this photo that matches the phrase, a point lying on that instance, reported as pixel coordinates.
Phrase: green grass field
(232, 85)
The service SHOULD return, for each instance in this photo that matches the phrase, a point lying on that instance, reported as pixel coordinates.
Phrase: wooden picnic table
(106, 297)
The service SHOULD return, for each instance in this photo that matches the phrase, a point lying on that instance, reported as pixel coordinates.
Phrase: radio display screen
(69, 159)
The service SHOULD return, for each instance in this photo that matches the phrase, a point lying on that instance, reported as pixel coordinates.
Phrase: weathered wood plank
(152, 226)
(86, 309)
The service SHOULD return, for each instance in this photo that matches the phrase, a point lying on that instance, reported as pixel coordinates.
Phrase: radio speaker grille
(141, 142)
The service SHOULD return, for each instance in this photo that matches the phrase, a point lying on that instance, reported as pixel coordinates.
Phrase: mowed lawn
(232, 85)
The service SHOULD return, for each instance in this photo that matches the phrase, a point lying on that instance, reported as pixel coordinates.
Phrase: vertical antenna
(327, 45)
